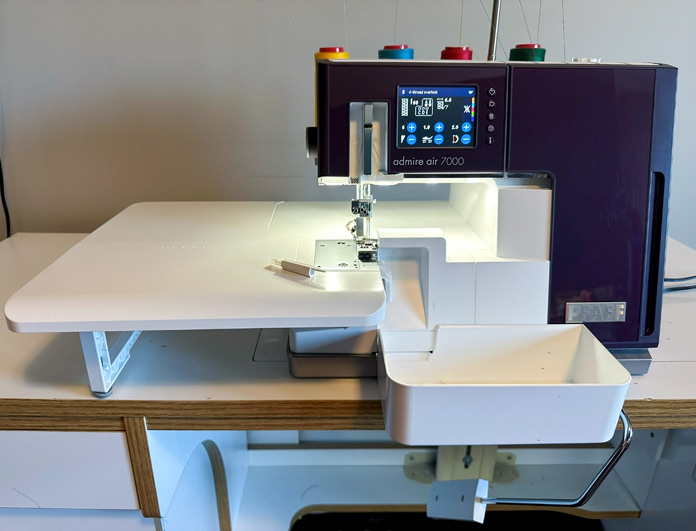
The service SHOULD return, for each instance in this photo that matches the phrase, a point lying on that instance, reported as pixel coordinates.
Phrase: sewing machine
(559, 179)
(486, 317)
(562, 164)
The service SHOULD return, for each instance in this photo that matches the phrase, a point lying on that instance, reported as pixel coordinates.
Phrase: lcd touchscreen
(436, 117)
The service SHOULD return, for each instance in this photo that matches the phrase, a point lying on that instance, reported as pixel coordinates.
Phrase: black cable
(680, 279)
(4, 202)
(687, 287)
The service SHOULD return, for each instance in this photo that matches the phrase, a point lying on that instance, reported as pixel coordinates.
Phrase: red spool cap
(396, 47)
(331, 49)
(528, 46)
(462, 53)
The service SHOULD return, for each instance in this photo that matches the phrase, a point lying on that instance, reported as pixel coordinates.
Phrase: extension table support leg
(102, 371)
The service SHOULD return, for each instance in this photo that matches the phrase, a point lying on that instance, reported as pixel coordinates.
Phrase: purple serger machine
(599, 135)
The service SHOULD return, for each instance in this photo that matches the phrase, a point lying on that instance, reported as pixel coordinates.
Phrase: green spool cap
(527, 52)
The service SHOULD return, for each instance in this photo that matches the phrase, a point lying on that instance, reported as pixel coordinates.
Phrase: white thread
(525, 21)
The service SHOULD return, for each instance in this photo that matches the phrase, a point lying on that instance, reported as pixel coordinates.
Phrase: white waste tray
(524, 384)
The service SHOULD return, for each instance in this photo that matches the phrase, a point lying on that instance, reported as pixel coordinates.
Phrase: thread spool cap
(528, 52)
(462, 53)
(395, 51)
(331, 52)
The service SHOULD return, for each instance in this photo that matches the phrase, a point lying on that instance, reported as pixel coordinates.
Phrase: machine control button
(466, 139)
(490, 140)
(411, 139)
(490, 128)
(466, 127)
(411, 127)
(439, 127)
(491, 104)
(491, 116)
(491, 91)
(439, 139)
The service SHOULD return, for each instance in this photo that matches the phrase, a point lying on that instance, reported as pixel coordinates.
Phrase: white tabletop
(218, 364)
(193, 266)
(673, 371)
(174, 365)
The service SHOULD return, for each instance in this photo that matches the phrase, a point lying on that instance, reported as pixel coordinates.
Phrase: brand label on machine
(595, 312)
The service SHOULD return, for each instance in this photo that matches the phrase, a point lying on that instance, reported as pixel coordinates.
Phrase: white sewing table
(203, 383)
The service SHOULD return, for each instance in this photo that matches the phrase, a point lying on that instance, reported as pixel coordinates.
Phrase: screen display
(436, 117)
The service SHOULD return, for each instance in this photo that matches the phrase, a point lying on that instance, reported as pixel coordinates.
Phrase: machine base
(332, 365)
(635, 361)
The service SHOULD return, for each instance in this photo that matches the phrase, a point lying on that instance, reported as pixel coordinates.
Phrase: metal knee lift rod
(627, 435)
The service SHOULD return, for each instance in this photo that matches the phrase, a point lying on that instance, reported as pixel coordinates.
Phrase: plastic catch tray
(523, 384)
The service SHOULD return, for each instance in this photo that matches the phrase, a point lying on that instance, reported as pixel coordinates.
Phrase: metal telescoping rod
(495, 21)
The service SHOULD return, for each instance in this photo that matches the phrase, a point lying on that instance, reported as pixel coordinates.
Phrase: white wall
(109, 102)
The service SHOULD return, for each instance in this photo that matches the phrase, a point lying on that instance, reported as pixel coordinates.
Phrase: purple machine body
(601, 132)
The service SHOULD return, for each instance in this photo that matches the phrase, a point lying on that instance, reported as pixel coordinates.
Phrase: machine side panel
(591, 127)
(661, 165)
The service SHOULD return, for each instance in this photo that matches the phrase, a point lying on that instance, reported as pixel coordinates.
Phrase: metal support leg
(102, 371)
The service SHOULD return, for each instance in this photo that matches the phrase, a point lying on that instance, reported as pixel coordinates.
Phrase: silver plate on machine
(595, 312)
(339, 255)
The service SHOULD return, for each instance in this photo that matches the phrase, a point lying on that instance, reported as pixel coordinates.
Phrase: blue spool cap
(396, 51)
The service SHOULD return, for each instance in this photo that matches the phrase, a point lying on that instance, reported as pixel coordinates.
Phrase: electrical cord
(680, 279)
(686, 287)
(4, 202)
(683, 287)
